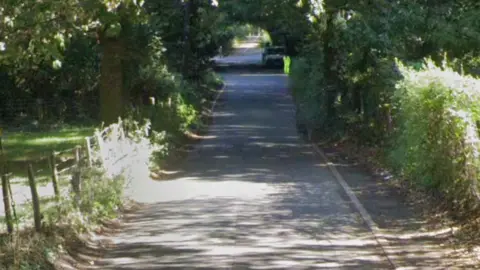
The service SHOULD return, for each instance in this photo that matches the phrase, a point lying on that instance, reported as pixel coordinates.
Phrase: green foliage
(177, 100)
(437, 136)
(63, 220)
(69, 94)
(66, 217)
(60, 61)
(212, 80)
(346, 81)
(100, 199)
(307, 84)
(241, 31)
(54, 23)
(359, 42)
(284, 20)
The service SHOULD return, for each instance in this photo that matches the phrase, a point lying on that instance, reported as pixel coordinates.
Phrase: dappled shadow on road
(257, 226)
(254, 196)
(245, 221)
(250, 224)
(415, 234)
(242, 214)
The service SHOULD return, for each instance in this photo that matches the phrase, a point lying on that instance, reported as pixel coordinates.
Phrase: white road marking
(382, 242)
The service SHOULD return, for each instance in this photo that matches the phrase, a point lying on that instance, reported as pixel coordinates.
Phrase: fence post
(35, 199)
(12, 202)
(89, 151)
(152, 110)
(4, 171)
(53, 167)
(76, 175)
(7, 204)
(3, 158)
(98, 135)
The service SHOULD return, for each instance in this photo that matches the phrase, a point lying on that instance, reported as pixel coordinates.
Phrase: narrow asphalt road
(253, 195)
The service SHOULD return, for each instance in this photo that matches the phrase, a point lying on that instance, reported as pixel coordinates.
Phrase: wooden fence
(104, 150)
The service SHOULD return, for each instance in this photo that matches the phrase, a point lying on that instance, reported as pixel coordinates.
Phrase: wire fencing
(116, 150)
(29, 113)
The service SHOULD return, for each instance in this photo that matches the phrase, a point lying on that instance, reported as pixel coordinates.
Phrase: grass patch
(23, 146)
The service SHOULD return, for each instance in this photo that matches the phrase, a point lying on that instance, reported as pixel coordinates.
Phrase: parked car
(273, 55)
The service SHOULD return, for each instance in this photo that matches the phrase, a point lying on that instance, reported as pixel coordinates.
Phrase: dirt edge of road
(378, 184)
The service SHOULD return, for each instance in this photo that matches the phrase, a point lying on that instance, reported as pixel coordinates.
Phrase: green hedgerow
(437, 112)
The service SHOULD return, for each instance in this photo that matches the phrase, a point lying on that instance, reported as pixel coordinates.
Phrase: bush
(307, 86)
(369, 116)
(178, 102)
(436, 142)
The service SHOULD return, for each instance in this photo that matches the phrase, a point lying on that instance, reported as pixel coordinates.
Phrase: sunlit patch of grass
(23, 146)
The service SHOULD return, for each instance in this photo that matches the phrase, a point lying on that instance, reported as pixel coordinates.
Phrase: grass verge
(23, 146)
(20, 148)
(63, 223)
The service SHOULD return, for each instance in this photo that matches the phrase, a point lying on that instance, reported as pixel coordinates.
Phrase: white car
(273, 55)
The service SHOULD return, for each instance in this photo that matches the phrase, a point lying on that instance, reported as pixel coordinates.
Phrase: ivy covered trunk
(111, 80)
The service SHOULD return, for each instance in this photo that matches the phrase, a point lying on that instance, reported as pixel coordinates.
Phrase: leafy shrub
(368, 115)
(100, 199)
(178, 102)
(436, 134)
(468, 64)
(212, 79)
(307, 86)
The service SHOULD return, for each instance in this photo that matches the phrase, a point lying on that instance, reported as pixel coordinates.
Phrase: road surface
(254, 195)
(247, 54)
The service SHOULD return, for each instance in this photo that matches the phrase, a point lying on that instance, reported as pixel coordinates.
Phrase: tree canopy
(111, 39)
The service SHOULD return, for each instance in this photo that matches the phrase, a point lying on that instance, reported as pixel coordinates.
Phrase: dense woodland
(400, 74)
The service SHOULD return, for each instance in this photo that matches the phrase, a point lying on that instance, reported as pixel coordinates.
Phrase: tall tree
(37, 31)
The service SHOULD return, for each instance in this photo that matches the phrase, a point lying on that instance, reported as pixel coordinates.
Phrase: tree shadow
(255, 196)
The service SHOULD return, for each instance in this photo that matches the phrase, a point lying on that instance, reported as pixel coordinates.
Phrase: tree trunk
(111, 80)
